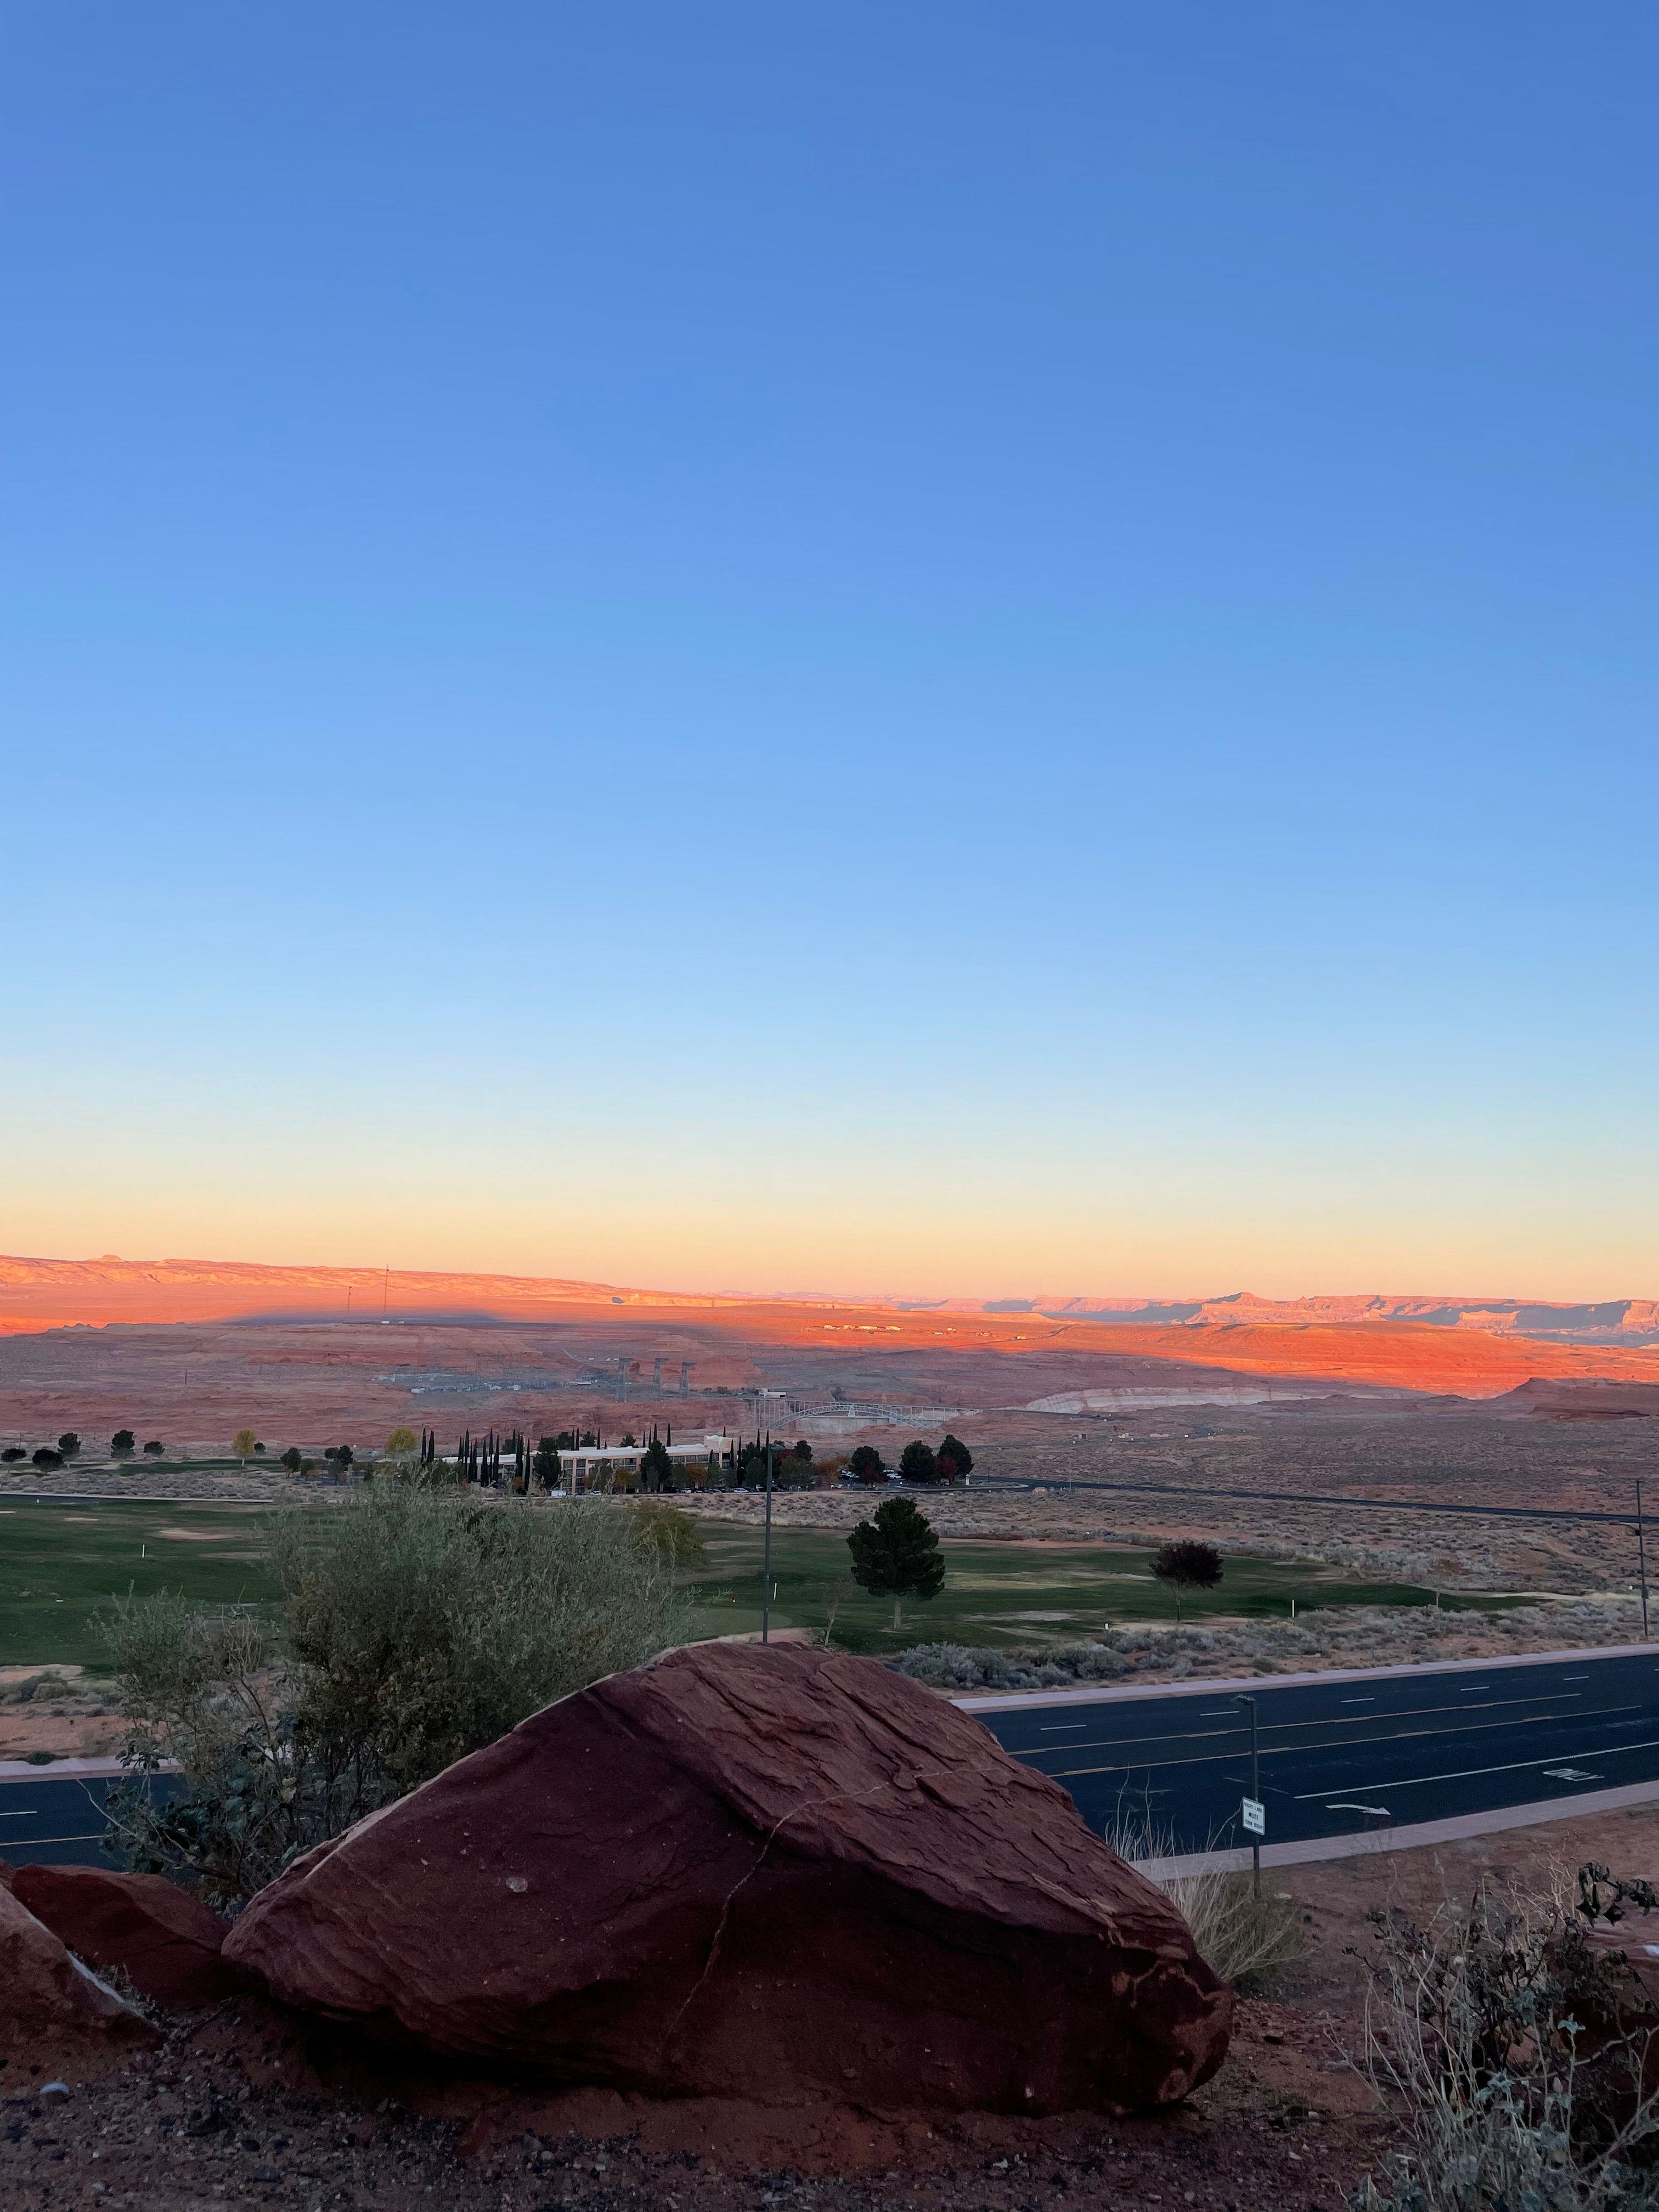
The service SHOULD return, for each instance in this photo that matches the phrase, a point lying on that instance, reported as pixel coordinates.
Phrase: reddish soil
(190, 1350)
(236, 2106)
(239, 2106)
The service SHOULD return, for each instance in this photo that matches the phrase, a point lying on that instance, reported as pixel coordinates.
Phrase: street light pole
(766, 1586)
(1255, 1791)
(1642, 1556)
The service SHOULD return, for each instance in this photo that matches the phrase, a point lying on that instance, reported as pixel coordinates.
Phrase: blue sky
(957, 648)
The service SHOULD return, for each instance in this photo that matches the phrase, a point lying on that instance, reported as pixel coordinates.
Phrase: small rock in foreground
(51, 2010)
(167, 1942)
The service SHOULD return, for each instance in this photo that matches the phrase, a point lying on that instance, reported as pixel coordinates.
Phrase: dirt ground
(237, 2107)
(1336, 1894)
(66, 1714)
(234, 2108)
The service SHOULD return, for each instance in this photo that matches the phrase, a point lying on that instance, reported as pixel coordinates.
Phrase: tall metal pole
(1642, 1556)
(1255, 1791)
(766, 1587)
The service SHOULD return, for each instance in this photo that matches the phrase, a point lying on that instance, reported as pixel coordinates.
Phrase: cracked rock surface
(743, 1862)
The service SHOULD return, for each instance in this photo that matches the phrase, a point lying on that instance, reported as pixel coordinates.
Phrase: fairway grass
(1002, 1595)
(64, 1567)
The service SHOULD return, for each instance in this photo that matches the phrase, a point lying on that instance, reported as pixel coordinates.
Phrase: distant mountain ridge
(1610, 1321)
(42, 1292)
(960, 1352)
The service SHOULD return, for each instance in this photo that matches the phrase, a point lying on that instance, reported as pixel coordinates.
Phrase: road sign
(1255, 1817)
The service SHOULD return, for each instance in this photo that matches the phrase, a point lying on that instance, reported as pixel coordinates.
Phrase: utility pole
(766, 1586)
(1642, 1556)
(1243, 1698)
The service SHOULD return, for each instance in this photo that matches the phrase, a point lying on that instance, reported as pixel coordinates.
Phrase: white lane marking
(1343, 1805)
(1331, 1720)
(27, 1814)
(1475, 1689)
(1058, 1727)
(1571, 1774)
(1575, 1678)
(91, 1836)
(1302, 1750)
(1359, 1701)
(1467, 1773)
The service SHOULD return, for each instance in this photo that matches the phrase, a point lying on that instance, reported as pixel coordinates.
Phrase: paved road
(1058, 1482)
(1343, 1757)
(49, 1819)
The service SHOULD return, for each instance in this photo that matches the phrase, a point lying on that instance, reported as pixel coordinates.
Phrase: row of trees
(68, 1447)
(918, 1462)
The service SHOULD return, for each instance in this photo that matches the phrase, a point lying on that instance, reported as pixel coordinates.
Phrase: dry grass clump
(1249, 1941)
(975, 1667)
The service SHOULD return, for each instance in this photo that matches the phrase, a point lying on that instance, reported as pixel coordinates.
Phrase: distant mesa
(1036, 1349)
(1587, 1398)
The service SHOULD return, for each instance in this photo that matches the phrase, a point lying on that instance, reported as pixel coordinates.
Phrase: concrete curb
(1011, 1701)
(24, 1770)
(1376, 1841)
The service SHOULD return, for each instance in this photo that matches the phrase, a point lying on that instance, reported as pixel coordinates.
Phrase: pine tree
(897, 1554)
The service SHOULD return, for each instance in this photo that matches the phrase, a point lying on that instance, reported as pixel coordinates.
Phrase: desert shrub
(416, 1625)
(1509, 2050)
(1346, 1636)
(667, 1534)
(956, 1666)
(1091, 1662)
(974, 1666)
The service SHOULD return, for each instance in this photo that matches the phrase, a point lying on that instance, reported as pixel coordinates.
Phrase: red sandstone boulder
(50, 2009)
(775, 1874)
(165, 1941)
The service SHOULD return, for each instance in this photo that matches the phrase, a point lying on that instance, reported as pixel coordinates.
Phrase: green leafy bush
(417, 1624)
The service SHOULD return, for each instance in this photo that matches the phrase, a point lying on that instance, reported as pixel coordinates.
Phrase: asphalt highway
(1340, 1757)
(1058, 1482)
(56, 1820)
(1165, 1771)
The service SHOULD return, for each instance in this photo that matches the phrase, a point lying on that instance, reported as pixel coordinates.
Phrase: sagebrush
(1517, 2055)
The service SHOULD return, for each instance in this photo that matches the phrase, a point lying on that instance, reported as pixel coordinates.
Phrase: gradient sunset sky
(946, 648)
